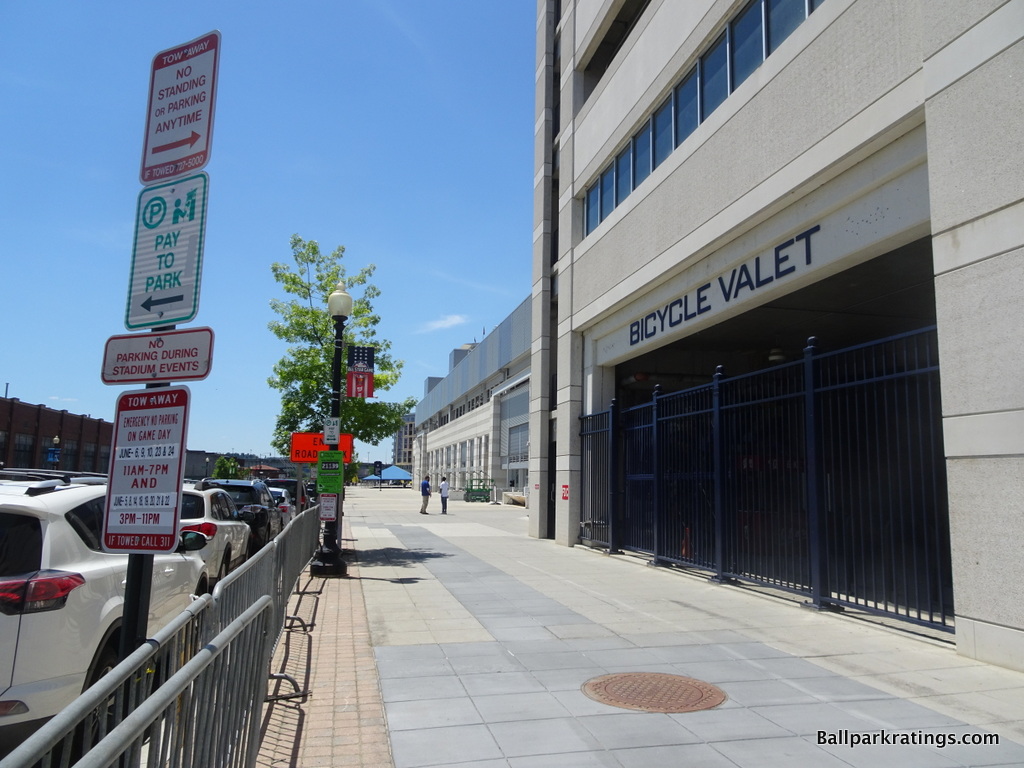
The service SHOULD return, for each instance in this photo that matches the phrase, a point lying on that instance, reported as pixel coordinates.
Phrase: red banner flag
(359, 384)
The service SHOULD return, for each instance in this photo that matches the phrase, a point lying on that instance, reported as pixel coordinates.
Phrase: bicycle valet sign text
(167, 255)
(147, 467)
(179, 117)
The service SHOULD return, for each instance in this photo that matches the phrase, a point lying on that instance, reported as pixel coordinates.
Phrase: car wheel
(225, 566)
(202, 587)
(88, 731)
(105, 661)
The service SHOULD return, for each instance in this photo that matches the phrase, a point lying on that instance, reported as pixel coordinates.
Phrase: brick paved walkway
(341, 720)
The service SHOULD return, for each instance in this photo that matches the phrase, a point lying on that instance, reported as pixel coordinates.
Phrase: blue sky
(401, 129)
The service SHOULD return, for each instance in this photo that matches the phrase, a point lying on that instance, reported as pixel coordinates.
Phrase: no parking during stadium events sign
(147, 467)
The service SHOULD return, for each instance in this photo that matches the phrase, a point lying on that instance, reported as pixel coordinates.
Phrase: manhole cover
(654, 692)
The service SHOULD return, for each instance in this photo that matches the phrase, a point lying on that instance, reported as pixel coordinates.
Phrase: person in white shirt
(444, 495)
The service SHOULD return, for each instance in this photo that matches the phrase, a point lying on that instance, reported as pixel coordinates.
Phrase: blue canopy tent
(395, 473)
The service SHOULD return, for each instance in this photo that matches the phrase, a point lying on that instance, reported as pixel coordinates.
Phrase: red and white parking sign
(147, 465)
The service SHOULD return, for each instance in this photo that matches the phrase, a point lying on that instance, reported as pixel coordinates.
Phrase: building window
(642, 155)
(663, 139)
(24, 450)
(687, 115)
(593, 208)
(747, 38)
(747, 43)
(607, 192)
(714, 73)
(624, 174)
(783, 17)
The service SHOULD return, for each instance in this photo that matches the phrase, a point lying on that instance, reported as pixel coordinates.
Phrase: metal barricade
(110, 710)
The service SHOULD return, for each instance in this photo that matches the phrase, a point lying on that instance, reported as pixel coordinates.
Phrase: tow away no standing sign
(179, 118)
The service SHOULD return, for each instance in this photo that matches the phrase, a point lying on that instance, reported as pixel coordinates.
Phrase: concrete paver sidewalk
(458, 640)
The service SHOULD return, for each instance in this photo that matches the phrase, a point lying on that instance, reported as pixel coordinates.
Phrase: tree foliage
(228, 468)
(303, 375)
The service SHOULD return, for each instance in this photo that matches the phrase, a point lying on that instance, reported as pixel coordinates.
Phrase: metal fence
(192, 695)
(824, 477)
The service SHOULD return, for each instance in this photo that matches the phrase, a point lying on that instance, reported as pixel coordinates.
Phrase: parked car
(295, 489)
(212, 512)
(255, 506)
(284, 503)
(62, 598)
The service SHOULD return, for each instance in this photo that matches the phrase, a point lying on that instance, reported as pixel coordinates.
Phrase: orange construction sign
(306, 446)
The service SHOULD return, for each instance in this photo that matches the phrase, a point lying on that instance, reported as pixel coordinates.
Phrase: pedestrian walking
(444, 495)
(425, 493)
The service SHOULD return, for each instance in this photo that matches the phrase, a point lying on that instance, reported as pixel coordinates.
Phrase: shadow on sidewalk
(396, 557)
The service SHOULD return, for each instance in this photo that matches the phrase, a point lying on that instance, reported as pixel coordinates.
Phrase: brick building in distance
(30, 433)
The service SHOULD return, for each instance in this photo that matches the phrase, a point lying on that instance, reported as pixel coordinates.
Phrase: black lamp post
(329, 562)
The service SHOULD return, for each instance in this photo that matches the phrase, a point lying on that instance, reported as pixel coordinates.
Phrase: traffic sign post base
(328, 564)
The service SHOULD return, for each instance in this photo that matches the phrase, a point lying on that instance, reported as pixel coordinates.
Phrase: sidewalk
(459, 640)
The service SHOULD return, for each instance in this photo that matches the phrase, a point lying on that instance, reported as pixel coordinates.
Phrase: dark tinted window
(243, 494)
(783, 17)
(747, 44)
(714, 78)
(87, 521)
(687, 117)
(623, 174)
(223, 508)
(21, 544)
(593, 208)
(607, 192)
(663, 139)
(642, 155)
(191, 506)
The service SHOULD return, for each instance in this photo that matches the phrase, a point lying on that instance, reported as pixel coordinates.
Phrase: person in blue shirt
(425, 493)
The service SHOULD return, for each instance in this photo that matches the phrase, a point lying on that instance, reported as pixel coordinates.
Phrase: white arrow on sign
(167, 257)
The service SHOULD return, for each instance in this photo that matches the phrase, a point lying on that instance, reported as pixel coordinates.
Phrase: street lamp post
(339, 306)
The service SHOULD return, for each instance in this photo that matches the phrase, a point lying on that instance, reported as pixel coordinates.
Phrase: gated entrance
(824, 477)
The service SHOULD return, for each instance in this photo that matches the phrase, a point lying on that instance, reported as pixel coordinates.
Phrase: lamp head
(339, 303)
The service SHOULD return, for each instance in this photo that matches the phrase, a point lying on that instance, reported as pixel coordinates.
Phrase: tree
(303, 375)
(227, 468)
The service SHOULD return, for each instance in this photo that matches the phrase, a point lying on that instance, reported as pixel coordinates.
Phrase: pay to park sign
(146, 470)
(167, 257)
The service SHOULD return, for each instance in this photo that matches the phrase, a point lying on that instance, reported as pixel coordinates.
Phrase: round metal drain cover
(654, 692)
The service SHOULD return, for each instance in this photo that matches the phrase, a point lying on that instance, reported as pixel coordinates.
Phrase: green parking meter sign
(330, 472)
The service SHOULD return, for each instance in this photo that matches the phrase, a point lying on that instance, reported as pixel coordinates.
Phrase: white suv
(62, 597)
(212, 512)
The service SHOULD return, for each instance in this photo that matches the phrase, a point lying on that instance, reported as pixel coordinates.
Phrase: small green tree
(227, 468)
(303, 375)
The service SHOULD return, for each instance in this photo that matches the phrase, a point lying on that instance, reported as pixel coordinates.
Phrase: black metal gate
(825, 477)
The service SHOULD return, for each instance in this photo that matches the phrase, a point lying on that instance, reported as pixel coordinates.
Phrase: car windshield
(243, 494)
(21, 544)
(277, 493)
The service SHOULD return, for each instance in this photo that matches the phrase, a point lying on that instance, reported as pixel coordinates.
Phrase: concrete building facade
(718, 180)
(472, 425)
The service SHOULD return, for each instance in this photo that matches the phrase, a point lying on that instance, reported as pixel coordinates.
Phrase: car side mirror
(246, 515)
(190, 541)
